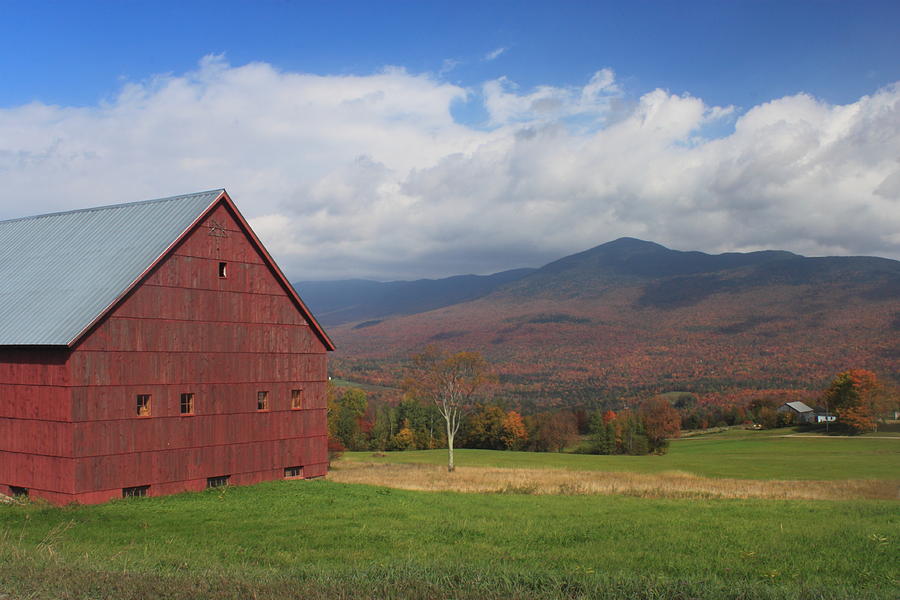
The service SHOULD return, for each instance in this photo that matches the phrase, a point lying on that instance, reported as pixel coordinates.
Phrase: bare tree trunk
(450, 433)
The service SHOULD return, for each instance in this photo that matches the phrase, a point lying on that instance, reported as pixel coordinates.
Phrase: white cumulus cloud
(505, 103)
(346, 176)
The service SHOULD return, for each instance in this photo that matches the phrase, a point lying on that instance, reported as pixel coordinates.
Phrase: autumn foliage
(858, 399)
(514, 433)
(661, 422)
(564, 349)
(492, 428)
(418, 419)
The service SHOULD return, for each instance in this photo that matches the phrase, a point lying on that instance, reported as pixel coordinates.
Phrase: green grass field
(321, 539)
(368, 387)
(334, 540)
(735, 453)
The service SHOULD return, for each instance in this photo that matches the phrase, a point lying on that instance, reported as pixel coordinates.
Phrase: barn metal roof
(60, 271)
(800, 407)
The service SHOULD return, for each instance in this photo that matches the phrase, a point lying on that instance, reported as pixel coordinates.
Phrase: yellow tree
(450, 382)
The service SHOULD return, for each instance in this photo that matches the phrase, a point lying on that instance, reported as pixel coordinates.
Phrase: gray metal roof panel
(60, 271)
(799, 406)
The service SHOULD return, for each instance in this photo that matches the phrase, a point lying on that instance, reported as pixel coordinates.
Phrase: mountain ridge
(348, 300)
(590, 272)
(633, 317)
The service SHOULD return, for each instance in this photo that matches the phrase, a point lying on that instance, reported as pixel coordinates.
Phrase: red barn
(151, 348)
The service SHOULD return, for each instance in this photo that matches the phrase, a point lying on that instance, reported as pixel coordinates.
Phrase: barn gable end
(210, 316)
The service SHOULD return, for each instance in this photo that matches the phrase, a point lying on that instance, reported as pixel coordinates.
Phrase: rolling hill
(632, 317)
(337, 302)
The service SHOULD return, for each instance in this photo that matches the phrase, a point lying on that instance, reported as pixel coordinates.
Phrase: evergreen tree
(607, 443)
(603, 434)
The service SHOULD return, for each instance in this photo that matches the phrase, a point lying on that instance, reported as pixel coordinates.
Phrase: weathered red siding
(35, 422)
(68, 424)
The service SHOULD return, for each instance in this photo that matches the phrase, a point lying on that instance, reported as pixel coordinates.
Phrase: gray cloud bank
(348, 176)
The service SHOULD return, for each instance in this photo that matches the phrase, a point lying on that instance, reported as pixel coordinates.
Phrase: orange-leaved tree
(449, 381)
(858, 399)
(514, 432)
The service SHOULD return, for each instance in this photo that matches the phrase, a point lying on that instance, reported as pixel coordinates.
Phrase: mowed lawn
(320, 539)
(734, 454)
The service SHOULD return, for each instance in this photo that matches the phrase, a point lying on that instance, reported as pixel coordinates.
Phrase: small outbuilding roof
(61, 272)
(798, 406)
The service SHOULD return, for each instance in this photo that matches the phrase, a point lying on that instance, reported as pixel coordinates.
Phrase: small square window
(143, 405)
(18, 492)
(262, 400)
(296, 399)
(220, 481)
(223, 270)
(138, 491)
(187, 404)
(293, 472)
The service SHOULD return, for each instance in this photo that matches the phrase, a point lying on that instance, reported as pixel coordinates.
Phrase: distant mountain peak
(630, 258)
(627, 246)
(630, 242)
(606, 255)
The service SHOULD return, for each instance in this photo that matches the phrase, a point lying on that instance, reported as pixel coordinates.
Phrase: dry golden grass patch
(670, 484)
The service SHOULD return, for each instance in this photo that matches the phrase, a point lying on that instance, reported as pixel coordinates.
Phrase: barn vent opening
(187, 404)
(138, 491)
(296, 399)
(262, 400)
(143, 405)
(220, 481)
(293, 472)
(18, 492)
(223, 270)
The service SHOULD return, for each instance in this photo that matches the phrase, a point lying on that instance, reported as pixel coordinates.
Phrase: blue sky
(405, 139)
(727, 52)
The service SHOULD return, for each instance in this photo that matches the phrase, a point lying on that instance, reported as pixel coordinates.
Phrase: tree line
(450, 400)
(444, 404)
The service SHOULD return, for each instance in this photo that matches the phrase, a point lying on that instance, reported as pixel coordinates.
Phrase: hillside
(631, 316)
(361, 300)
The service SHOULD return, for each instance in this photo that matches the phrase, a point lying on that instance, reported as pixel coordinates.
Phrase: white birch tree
(451, 382)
